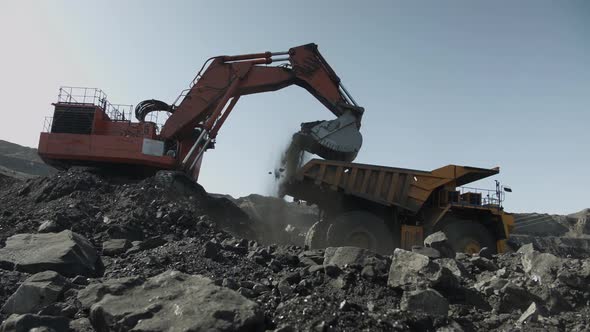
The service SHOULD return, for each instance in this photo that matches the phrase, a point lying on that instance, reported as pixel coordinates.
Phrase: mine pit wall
(562, 235)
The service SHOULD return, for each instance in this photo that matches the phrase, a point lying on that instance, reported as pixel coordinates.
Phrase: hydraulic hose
(151, 105)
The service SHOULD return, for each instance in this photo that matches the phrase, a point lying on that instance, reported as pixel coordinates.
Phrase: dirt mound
(99, 207)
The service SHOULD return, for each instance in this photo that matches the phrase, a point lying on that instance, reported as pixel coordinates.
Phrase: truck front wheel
(468, 236)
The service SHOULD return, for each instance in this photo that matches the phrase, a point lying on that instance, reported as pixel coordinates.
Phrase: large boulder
(114, 247)
(426, 301)
(95, 291)
(483, 263)
(29, 322)
(413, 270)
(527, 248)
(532, 313)
(406, 268)
(426, 251)
(456, 267)
(440, 242)
(514, 297)
(81, 325)
(36, 292)
(171, 299)
(346, 256)
(575, 274)
(67, 253)
(541, 267)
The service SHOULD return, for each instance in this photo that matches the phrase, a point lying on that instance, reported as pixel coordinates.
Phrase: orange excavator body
(92, 132)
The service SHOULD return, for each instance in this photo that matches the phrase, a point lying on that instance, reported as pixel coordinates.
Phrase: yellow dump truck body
(422, 197)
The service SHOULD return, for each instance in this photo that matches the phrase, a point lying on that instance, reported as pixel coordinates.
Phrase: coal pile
(86, 252)
(100, 207)
(5, 181)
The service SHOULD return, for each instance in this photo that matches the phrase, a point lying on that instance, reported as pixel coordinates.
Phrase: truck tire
(315, 238)
(468, 236)
(360, 229)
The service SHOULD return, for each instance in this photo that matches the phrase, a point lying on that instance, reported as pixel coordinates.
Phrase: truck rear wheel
(468, 236)
(360, 229)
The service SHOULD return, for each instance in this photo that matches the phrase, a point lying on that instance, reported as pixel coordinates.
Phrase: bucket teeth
(326, 151)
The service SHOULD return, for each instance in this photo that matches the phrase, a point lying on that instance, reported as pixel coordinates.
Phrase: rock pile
(65, 252)
(101, 207)
(154, 254)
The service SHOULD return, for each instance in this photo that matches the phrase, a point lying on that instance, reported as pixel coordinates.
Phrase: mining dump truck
(383, 208)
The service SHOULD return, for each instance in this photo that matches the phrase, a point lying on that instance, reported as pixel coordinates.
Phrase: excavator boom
(233, 76)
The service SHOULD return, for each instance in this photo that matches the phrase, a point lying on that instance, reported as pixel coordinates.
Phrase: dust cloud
(292, 158)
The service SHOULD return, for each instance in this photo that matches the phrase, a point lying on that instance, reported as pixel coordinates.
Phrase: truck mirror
(508, 189)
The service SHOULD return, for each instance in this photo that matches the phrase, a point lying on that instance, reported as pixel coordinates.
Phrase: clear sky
(479, 83)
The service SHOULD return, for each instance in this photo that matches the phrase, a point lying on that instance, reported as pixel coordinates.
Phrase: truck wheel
(469, 236)
(360, 229)
(315, 238)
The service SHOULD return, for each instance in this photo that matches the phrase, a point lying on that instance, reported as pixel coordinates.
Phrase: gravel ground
(172, 224)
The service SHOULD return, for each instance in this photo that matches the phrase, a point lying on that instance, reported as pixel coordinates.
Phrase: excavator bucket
(337, 139)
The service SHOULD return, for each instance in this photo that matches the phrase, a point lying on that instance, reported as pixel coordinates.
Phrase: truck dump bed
(405, 188)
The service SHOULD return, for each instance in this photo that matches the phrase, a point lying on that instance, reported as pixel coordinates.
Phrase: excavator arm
(234, 76)
(218, 86)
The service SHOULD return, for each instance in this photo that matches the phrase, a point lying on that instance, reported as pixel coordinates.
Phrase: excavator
(87, 130)
(369, 206)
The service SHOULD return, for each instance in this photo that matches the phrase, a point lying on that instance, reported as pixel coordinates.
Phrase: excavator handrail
(194, 81)
(225, 58)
